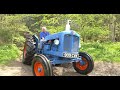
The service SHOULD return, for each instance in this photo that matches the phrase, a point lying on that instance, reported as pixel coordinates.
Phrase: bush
(103, 51)
(8, 53)
(94, 34)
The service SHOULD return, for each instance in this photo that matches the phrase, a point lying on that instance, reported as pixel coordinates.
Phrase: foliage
(12, 28)
(8, 53)
(91, 27)
(95, 30)
(102, 51)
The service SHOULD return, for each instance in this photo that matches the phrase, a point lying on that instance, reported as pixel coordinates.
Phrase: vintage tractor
(58, 48)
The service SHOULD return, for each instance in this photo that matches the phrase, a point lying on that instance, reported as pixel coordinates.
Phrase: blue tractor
(58, 48)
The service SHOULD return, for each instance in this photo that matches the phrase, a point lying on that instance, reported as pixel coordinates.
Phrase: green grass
(99, 51)
(8, 53)
(102, 51)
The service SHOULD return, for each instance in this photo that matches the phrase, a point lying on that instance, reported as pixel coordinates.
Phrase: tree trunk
(112, 28)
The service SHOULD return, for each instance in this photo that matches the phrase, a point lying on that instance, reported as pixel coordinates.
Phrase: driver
(43, 34)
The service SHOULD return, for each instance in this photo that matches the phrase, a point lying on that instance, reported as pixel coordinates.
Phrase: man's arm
(41, 35)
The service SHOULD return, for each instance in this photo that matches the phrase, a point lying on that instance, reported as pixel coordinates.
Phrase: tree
(112, 27)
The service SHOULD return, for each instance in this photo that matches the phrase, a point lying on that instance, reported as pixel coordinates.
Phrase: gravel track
(16, 68)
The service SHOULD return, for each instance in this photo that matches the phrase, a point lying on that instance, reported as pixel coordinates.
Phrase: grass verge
(8, 53)
(102, 51)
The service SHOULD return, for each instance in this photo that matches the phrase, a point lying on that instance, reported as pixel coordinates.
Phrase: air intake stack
(68, 25)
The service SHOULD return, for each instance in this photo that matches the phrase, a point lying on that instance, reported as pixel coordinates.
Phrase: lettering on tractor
(62, 48)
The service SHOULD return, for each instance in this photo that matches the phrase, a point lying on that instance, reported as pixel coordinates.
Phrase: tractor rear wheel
(85, 66)
(41, 66)
(28, 52)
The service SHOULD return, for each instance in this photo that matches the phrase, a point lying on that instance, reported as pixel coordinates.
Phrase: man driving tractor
(43, 34)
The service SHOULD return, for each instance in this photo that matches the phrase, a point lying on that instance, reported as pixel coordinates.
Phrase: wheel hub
(39, 69)
(82, 62)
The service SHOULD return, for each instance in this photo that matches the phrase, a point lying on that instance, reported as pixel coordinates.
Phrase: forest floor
(16, 68)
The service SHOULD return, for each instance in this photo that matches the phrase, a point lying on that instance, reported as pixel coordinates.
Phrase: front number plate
(70, 55)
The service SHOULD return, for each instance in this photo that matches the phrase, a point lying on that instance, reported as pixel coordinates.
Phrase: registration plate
(70, 55)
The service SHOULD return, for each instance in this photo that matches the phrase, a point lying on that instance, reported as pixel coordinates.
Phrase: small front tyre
(86, 65)
(41, 66)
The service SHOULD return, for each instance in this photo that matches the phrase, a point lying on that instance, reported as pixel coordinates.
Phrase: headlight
(56, 42)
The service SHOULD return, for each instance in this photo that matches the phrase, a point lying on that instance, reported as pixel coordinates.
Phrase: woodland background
(100, 33)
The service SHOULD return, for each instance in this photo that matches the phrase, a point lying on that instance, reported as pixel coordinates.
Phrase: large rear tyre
(86, 66)
(41, 66)
(28, 52)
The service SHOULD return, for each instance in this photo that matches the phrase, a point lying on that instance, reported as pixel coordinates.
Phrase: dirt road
(16, 68)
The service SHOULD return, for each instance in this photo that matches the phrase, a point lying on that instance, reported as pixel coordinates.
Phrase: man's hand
(49, 41)
(43, 38)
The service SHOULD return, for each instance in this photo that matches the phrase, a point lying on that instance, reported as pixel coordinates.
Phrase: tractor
(58, 48)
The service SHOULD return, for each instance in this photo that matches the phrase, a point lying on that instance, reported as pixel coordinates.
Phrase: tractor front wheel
(85, 66)
(41, 66)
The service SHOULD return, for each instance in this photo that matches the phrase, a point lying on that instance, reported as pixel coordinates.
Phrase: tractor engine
(63, 45)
